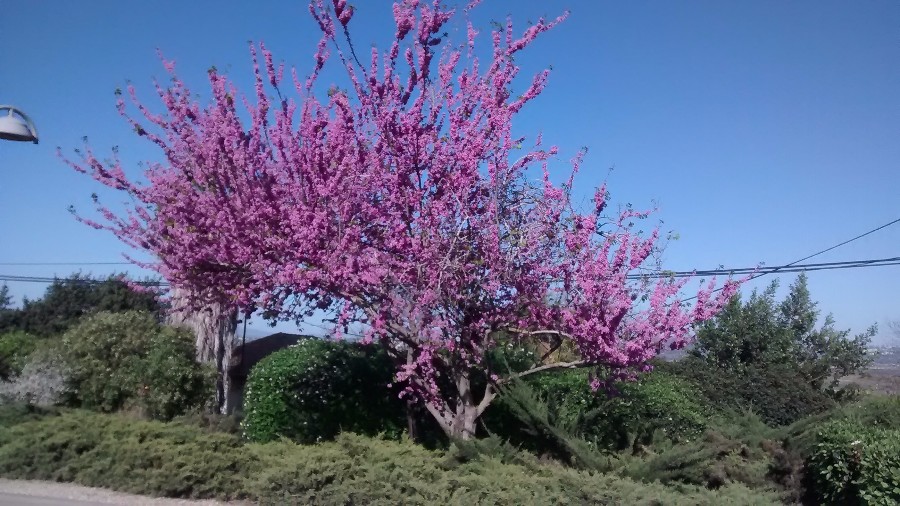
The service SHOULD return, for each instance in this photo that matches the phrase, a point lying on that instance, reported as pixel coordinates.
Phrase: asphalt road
(42, 493)
(28, 500)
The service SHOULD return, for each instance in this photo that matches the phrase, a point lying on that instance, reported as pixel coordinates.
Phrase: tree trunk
(460, 423)
(463, 425)
(412, 426)
(214, 328)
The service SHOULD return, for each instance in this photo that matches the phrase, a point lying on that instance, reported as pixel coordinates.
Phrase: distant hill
(888, 357)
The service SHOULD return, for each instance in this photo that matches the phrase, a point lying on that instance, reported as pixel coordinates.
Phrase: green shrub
(875, 411)
(530, 423)
(712, 461)
(738, 448)
(128, 360)
(660, 402)
(656, 405)
(357, 470)
(14, 350)
(114, 451)
(314, 390)
(778, 393)
(856, 464)
(21, 412)
(171, 459)
(211, 422)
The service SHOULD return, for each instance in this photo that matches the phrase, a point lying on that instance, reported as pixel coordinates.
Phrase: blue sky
(765, 131)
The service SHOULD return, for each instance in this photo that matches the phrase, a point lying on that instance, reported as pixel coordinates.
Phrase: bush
(856, 464)
(876, 411)
(121, 360)
(169, 459)
(658, 404)
(357, 470)
(316, 389)
(211, 422)
(14, 350)
(20, 412)
(528, 422)
(738, 448)
(116, 452)
(42, 382)
(712, 461)
(778, 393)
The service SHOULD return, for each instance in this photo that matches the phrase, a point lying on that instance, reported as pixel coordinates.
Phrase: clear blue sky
(764, 130)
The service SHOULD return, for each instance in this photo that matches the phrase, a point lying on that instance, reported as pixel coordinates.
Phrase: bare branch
(489, 394)
(546, 367)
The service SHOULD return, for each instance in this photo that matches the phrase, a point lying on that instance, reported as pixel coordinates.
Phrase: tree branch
(489, 394)
(546, 367)
(552, 349)
(552, 332)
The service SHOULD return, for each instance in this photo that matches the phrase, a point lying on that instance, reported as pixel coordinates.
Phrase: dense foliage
(778, 393)
(15, 347)
(845, 455)
(67, 300)
(180, 461)
(736, 449)
(124, 454)
(316, 389)
(129, 360)
(31, 363)
(770, 357)
(760, 332)
(656, 405)
(856, 464)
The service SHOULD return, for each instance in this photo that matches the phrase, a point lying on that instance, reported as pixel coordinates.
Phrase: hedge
(171, 459)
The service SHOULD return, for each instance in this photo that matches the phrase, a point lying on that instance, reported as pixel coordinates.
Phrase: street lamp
(15, 125)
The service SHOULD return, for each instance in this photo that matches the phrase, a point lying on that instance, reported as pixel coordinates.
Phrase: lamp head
(16, 126)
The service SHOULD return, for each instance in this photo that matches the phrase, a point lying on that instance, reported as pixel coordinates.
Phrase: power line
(44, 279)
(62, 263)
(769, 270)
(860, 236)
(654, 274)
(793, 267)
(755, 272)
(795, 262)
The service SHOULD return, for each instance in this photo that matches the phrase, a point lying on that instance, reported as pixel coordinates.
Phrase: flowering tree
(402, 203)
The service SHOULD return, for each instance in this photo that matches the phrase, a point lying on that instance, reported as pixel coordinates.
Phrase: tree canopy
(68, 299)
(761, 331)
(404, 203)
